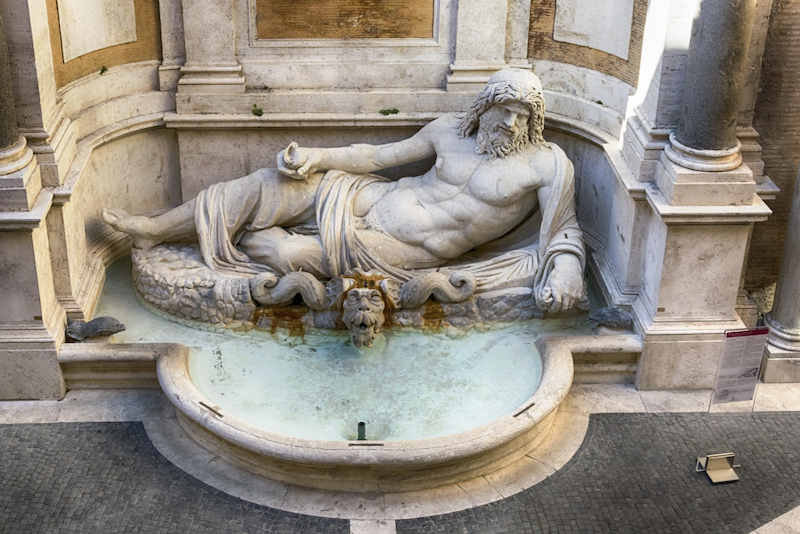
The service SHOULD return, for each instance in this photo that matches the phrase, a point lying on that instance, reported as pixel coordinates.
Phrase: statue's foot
(142, 230)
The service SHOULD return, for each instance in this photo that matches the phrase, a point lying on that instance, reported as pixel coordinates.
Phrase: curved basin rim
(557, 372)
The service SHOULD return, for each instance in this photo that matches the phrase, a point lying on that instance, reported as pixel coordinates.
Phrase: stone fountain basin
(369, 466)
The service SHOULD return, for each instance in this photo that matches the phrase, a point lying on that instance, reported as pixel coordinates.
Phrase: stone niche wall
(121, 32)
(344, 19)
(594, 183)
(208, 157)
(344, 44)
(139, 173)
(777, 120)
(602, 36)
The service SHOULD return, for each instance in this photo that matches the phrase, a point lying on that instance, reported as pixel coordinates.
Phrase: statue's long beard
(496, 145)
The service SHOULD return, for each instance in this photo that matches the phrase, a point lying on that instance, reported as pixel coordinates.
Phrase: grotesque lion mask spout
(363, 315)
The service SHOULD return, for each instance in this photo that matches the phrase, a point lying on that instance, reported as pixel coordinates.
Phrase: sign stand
(736, 380)
(739, 365)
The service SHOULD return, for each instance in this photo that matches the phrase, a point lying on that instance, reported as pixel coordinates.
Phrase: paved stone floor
(86, 464)
(108, 477)
(634, 473)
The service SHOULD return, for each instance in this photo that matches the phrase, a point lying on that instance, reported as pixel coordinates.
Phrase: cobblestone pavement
(108, 477)
(635, 473)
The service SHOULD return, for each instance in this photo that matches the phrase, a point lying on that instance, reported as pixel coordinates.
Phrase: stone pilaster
(782, 357)
(19, 181)
(660, 88)
(703, 210)
(210, 40)
(480, 43)
(173, 50)
(518, 29)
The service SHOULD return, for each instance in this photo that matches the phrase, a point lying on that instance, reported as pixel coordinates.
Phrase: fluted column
(706, 136)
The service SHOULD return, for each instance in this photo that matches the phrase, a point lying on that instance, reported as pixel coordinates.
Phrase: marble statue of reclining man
(498, 203)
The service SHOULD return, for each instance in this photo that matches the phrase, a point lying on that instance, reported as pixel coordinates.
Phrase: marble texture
(777, 397)
(399, 230)
(372, 526)
(114, 405)
(22, 412)
(602, 398)
(605, 26)
(91, 25)
(657, 401)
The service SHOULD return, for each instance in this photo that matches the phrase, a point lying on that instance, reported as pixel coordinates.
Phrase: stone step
(111, 365)
(604, 373)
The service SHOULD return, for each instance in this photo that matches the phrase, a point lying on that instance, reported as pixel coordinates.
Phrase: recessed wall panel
(344, 19)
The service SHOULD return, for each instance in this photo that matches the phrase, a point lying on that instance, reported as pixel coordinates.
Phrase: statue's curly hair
(498, 93)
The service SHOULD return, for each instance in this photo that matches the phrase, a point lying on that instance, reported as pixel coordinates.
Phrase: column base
(780, 365)
(20, 177)
(683, 186)
(471, 77)
(703, 160)
(54, 148)
(781, 337)
(205, 79)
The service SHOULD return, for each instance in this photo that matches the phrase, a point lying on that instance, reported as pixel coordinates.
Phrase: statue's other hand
(298, 163)
(565, 283)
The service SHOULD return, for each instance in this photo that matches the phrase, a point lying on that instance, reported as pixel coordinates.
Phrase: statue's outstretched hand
(298, 163)
(564, 285)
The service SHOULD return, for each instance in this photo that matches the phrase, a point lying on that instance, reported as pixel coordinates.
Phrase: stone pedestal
(693, 264)
(31, 321)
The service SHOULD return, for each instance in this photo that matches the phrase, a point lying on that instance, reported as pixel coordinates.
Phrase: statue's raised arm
(299, 162)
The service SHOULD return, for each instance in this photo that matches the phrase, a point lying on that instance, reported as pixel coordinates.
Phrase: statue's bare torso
(463, 201)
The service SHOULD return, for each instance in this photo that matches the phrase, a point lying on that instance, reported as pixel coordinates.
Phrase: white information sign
(739, 364)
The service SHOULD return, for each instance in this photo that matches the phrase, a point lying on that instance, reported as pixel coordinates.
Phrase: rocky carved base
(174, 279)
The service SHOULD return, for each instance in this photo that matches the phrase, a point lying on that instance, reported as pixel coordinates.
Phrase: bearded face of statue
(503, 129)
(363, 315)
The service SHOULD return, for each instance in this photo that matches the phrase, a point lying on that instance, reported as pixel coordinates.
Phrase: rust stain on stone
(289, 317)
(433, 316)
